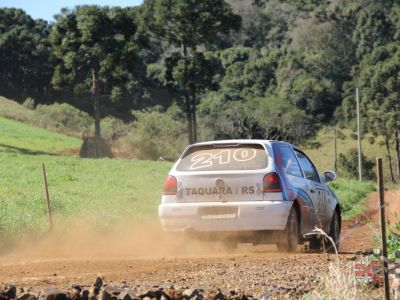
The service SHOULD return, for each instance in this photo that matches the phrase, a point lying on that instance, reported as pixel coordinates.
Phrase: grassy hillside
(101, 191)
(25, 139)
(323, 156)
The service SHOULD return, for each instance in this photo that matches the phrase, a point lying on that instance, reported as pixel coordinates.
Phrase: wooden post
(381, 190)
(46, 189)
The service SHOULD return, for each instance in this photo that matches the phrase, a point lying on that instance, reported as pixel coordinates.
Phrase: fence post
(46, 189)
(381, 190)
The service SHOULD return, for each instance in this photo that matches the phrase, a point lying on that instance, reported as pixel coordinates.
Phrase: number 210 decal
(223, 157)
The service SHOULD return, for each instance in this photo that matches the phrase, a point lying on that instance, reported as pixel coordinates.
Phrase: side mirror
(329, 176)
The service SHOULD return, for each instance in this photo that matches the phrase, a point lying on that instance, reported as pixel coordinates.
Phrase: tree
(319, 61)
(24, 55)
(379, 79)
(256, 118)
(97, 53)
(188, 78)
(348, 165)
(250, 76)
(189, 24)
(373, 27)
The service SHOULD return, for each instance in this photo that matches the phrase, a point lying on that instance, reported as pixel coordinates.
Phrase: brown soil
(69, 152)
(145, 257)
(358, 233)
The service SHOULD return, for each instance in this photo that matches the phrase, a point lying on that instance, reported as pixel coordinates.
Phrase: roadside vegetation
(352, 195)
(103, 192)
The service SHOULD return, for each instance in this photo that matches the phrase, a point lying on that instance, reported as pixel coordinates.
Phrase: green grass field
(352, 195)
(324, 155)
(103, 192)
(21, 138)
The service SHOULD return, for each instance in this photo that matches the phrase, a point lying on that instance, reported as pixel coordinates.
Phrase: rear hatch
(222, 172)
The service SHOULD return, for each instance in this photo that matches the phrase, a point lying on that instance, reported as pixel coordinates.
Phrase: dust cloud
(76, 239)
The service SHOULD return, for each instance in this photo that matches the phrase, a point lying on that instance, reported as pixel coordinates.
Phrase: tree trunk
(189, 127)
(389, 155)
(96, 104)
(397, 149)
(194, 118)
(194, 114)
(189, 111)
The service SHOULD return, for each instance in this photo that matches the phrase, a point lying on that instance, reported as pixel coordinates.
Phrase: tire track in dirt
(357, 233)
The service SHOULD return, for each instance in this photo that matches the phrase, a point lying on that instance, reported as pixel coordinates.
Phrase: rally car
(257, 191)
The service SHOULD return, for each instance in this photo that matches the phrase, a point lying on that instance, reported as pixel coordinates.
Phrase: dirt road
(144, 259)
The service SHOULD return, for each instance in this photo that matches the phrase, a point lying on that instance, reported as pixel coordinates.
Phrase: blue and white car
(258, 191)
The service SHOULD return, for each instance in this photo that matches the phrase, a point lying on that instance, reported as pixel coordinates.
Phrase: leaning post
(381, 190)
(46, 190)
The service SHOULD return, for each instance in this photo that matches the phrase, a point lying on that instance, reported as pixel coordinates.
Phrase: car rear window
(220, 157)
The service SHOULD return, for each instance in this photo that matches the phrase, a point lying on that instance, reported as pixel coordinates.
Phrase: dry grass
(341, 283)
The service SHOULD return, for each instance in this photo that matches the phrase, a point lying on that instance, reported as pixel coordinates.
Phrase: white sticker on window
(205, 160)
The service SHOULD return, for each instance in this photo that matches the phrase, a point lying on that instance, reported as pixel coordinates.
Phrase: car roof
(240, 141)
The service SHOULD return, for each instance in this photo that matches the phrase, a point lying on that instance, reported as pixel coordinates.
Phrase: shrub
(351, 194)
(112, 128)
(12, 110)
(29, 103)
(348, 164)
(393, 239)
(64, 117)
(156, 135)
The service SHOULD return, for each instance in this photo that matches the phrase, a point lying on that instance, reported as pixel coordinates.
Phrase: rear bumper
(250, 216)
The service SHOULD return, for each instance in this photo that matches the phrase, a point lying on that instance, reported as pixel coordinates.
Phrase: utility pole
(359, 137)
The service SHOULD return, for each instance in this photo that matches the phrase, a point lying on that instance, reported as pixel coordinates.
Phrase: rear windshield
(224, 157)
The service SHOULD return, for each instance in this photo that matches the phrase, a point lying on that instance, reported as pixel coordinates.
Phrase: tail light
(170, 186)
(272, 183)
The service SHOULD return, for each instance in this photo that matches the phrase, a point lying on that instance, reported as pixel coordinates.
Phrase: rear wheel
(291, 234)
(315, 244)
(334, 233)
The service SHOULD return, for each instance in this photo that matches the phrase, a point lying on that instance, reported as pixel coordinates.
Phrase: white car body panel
(252, 215)
(234, 200)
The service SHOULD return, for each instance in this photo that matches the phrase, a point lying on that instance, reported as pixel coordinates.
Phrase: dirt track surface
(148, 261)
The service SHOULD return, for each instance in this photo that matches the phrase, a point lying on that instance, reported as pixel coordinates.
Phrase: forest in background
(166, 72)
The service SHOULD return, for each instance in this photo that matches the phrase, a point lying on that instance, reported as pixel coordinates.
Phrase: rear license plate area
(218, 212)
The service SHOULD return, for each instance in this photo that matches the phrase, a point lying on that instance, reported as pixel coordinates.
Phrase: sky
(46, 9)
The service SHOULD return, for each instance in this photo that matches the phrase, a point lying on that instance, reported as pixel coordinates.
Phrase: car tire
(315, 244)
(291, 234)
(334, 234)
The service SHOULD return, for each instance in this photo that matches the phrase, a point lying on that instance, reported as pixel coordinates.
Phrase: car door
(316, 189)
(295, 184)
